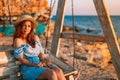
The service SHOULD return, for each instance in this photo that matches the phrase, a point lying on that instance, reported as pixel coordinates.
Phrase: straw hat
(25, 17)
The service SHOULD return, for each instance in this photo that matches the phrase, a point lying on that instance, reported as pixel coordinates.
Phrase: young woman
(28, 50)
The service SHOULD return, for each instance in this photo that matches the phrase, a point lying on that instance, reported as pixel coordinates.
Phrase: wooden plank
(109, 33)
(71, 73)
(60, 63)
(3, 58)
(58, 27)
(86, 37)
(11, 77)
(17, 78)
(8, 70)
(6, 58)
(8, 66)
(4, 77)
(67, 69)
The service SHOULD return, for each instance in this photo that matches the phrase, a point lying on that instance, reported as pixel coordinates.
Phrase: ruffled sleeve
(18, 51)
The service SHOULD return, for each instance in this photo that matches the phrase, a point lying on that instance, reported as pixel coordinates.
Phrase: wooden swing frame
(108, 30)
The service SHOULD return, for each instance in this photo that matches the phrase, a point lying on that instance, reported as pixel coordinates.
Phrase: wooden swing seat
(9, 67)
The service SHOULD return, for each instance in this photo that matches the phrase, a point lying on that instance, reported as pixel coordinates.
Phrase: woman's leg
(48, 74)
(60, 74)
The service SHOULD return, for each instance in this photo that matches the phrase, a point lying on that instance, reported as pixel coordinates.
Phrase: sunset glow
(86, 7)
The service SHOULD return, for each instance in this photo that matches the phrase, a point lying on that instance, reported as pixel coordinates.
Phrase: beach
(91, 59)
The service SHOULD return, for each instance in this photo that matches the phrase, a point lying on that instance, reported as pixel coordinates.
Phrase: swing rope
(52, 5)
(73, 26)
(75, 62)
(72, 5)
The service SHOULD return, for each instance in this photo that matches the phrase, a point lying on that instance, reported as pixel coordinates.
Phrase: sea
(81, 22)
(90, 22)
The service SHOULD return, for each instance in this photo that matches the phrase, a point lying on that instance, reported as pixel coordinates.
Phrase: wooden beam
(67, 69)
(8, 70)
(109, 33)
(71, 73)
(60, 63)
(93, 38)
(58, 27)
(6, 58)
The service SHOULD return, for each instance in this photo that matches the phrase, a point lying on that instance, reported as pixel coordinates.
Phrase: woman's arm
(26, 62)
(42, 56)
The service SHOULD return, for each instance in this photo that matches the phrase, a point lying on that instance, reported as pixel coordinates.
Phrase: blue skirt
(31, 73)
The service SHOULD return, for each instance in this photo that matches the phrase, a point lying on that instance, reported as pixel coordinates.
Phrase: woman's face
(26, 27)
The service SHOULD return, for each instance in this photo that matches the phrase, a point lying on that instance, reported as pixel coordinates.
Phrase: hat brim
(26, 19)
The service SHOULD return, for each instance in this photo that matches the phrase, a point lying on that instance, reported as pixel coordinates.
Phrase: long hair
(30, 37)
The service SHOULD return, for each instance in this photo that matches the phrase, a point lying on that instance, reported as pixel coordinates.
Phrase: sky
(86, 7)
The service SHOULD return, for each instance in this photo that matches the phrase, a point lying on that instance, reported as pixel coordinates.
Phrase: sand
(92, 59)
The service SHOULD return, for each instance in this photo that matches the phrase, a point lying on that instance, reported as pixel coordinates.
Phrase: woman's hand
(40, 64)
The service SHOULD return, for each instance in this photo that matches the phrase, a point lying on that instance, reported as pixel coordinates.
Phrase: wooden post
(58, 27)
(93, 38)
(109, 33)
